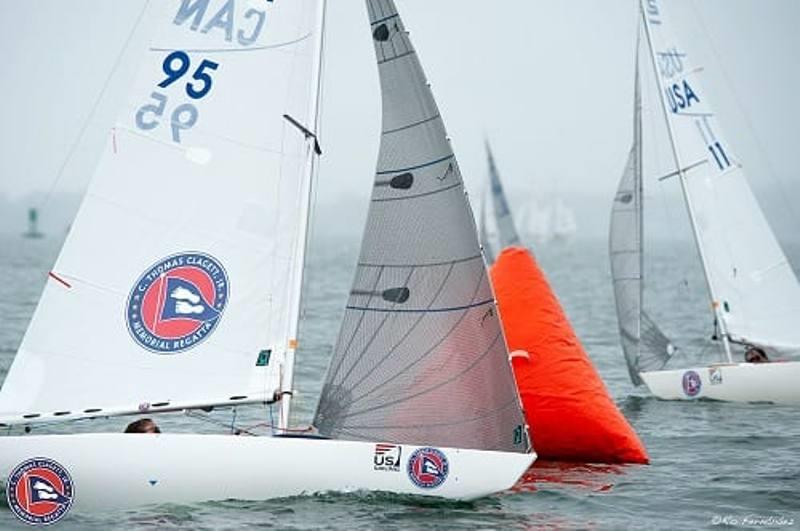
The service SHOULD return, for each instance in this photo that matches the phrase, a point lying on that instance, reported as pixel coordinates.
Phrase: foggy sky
(549, 82)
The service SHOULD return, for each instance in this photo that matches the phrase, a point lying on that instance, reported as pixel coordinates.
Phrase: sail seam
(434, 264)
(433, 310)
(409, 126)
(420, 166)
(400, 56)
(390, 17)
(429, 351)
(432, 192)
(448, 381)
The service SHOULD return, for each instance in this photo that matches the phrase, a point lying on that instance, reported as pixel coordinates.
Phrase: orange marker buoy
(570, 412)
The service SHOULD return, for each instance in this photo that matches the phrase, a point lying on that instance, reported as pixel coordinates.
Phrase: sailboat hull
(118, 471)
(775, 382)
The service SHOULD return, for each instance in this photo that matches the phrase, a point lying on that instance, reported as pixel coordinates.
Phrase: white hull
(776, 382)
(117, 471)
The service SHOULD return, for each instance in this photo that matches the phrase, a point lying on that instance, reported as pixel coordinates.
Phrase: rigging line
(485, 415)
(773, 175)
(430, 350)
(401, 340)
(377, 331)
(333, 372)
(455, 377)
(88, 120)
(275, 46)
(433, 264)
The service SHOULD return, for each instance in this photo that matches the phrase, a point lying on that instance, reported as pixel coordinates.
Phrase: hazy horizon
(548, 83)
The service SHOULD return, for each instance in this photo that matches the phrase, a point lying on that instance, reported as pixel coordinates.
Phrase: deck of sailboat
(774, 382)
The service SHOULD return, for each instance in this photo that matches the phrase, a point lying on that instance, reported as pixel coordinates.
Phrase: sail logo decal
(428, 468)
(387, 457)
(40, 491)
(177, 303)
(692, 384)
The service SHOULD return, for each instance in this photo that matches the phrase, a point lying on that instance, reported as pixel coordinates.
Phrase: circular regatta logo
(691, 383)
(427, 468)
(40, 491)
(177, 303)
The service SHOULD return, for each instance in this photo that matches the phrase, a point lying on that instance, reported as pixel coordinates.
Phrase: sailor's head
(143, 426)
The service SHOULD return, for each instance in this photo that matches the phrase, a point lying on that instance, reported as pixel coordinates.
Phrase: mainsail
(645, 346)
(421, 356)
(753, 288)
(179, 282)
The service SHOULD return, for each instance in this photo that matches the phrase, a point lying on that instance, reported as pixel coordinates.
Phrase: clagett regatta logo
(40, 491)
(177, 303)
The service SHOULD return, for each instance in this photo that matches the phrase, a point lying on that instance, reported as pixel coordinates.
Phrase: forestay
(645, 346)
(420, 356)
(751, 281)
(179, 281)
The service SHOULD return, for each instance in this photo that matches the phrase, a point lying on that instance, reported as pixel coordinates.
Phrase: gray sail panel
(506, 230)
(625, 250)
(420, 357)
(645, 346)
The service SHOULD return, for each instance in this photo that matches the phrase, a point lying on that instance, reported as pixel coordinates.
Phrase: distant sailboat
(179, 285)
(33, 225)
(497, 228)
(754, 292)
(563, 223)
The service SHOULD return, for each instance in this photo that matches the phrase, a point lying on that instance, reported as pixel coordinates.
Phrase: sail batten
(420, 356)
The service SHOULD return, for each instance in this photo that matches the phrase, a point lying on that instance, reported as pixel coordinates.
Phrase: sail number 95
(183, 116)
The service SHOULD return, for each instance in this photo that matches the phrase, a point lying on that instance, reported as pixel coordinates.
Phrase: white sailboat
(755, 296)
(179, 287)
(563, 222)
(497, 228)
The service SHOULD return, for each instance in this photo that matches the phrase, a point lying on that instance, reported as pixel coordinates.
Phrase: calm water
(713, 465)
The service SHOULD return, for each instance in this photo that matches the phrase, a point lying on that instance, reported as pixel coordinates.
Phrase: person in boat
(143, 426)
(755, 355)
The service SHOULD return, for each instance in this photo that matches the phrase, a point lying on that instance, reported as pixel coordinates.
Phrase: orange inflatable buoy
(571, 415)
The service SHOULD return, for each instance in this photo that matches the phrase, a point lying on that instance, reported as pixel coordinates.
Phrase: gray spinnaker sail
(420, 357)
(645, 346)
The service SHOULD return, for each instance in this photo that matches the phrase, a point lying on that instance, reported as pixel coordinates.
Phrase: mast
(681, 173)
(287, 378)
(638, 179)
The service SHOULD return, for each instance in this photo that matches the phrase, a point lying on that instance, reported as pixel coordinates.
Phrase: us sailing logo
(387, 457)
(428, 468)
(177, 303)
(40, 491)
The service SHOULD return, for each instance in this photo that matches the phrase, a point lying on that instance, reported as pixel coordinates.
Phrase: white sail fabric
(751, 281)
(421, 356)
(197, 205)
(645, 346)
